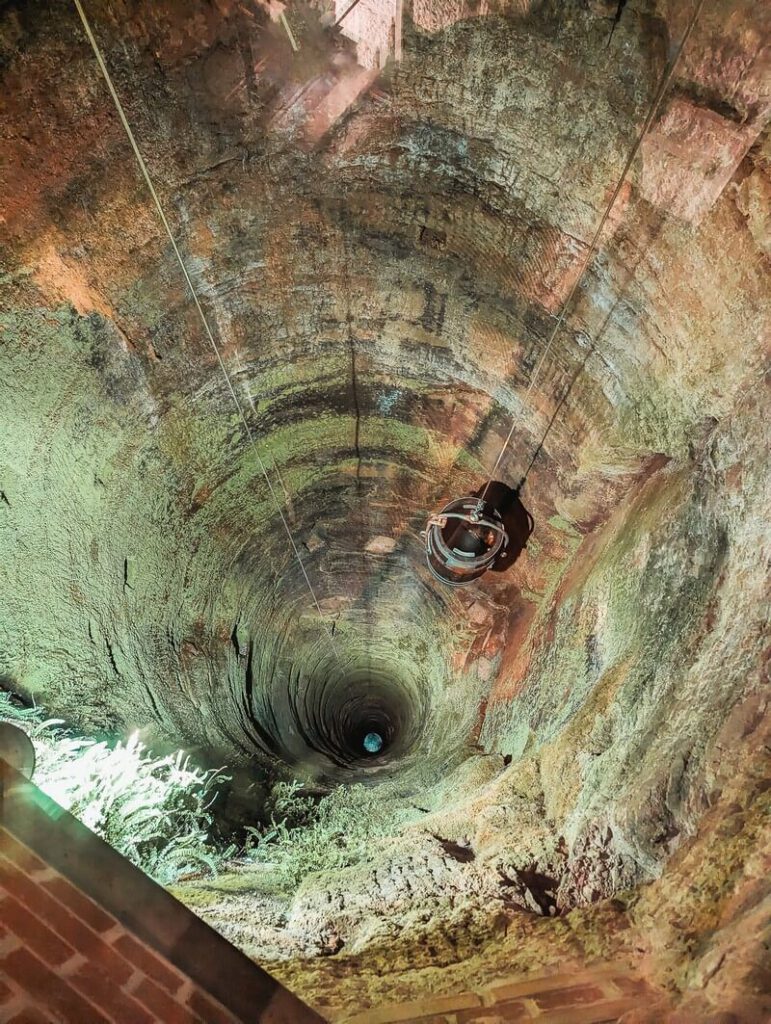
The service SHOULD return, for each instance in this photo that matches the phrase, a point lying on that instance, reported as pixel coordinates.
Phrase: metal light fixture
(464, 540)
(16, 749)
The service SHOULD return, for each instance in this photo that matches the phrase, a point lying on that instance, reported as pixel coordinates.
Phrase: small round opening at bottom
(373, 742)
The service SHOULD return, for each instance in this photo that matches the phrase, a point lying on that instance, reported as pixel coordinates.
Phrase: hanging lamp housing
(16, 749)
(464, 540)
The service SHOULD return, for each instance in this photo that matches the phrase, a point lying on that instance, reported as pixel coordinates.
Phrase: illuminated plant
(156, 811)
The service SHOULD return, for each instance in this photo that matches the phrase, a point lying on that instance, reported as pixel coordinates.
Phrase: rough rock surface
(382, 260)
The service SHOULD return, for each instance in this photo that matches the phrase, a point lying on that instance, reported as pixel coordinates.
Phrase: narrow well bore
(360, 720)
(373, 743)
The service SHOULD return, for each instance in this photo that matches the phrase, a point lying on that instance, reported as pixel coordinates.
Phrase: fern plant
(156, 811)
(341, 830)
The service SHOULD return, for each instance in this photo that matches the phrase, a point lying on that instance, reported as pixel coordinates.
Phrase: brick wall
(597, 995)
(86, 937)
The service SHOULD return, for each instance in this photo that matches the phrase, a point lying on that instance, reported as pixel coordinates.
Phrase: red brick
(148, 962)
(35, 978)
(5, 991)
(80, 904)
(432, 1006)
(65, 924)
(21, 855)
(595, 1013)
(34, 934)
(508, 1011)
(97, 985)
(164, 1006)
(29, 1015)
(631, 986)
(578, 995)
(14, 880)
(208, 1010)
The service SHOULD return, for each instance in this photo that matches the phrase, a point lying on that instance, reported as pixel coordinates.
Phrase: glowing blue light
(373, 742)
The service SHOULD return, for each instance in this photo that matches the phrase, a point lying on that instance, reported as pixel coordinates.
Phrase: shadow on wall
(516, 519)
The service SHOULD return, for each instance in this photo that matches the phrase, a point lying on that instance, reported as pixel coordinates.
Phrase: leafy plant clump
(343, 829)
(156, 811)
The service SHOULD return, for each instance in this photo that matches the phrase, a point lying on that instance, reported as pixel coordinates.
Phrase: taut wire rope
(346, 12)
(590, 252)
(199, 308)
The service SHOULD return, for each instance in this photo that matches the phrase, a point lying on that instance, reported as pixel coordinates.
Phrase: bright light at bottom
(373, 742)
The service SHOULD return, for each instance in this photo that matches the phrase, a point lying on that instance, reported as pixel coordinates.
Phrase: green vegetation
(156, 811)
(346, 828)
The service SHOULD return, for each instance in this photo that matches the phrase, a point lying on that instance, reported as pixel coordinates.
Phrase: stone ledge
(417, 1010)
(584, 997)
(502, 992)
(689, 157)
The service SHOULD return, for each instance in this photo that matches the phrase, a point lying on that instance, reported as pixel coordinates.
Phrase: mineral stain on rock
(574, 761)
